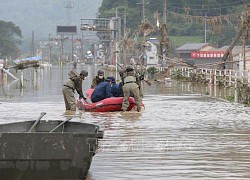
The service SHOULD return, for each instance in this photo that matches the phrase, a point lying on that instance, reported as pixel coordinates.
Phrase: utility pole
(82, 47)
(125, 22)
(117, 41)
(49, 50)
(163, 37)
(62, 48)
(165, 12)
(205, 28)
(72, 48)
(33, 45)
(143, 10)
(144, 38)
(125, 36)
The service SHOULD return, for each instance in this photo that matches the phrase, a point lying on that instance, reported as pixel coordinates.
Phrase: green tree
(177, 11)
(222, 38)
(10, 38)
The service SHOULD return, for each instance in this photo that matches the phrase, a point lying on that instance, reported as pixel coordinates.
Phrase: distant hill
(42, 16)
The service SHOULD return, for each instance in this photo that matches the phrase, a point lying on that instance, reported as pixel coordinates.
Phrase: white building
(238, 58)
(151, 51)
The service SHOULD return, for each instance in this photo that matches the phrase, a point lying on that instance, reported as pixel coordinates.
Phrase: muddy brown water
(182, 134)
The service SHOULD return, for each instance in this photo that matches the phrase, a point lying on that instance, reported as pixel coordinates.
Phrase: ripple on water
(179, 136)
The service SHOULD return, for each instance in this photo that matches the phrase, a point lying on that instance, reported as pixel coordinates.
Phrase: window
(149, 48)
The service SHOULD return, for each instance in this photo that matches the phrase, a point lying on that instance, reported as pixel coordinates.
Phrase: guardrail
(226, 77)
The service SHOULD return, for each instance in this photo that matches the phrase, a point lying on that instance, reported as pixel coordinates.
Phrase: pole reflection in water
(182, 134)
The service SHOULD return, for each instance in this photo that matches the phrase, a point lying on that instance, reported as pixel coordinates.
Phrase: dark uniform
(119, 91)
(72, 84)
(131, 88)
(98, 79)
(116, 89)
(102, 91)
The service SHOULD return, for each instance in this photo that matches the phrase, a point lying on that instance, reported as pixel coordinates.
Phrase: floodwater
(182, 134)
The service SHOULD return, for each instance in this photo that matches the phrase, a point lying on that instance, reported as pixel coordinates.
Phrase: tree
(10, 38)
(184, 17)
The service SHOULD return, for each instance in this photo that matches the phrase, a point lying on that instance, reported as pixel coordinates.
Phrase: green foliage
(179, 26)
(10, 35)
(222, 38)
(243, 92)
(230, 98)
(133, 16)
(180, 40)
(177, 75)
(152, 71)
(185, 29)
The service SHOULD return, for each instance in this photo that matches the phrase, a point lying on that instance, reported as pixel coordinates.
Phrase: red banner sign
(207, 54)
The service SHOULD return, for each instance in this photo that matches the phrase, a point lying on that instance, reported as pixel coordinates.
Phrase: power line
(204, 17)
(226, 4)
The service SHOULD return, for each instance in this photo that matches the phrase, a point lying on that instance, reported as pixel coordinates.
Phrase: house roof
(154, 41)
(191, 47)
(236, 49)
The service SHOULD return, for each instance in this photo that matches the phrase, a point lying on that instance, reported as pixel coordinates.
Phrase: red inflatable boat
(107, 105)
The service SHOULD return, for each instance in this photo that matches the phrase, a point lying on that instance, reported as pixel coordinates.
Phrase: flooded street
(180, 135)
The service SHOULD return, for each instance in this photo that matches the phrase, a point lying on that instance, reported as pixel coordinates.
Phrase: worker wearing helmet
(98, 79)
(131, 88)
(72, 84)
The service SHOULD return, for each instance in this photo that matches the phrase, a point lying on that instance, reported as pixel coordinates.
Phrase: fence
(226, 76)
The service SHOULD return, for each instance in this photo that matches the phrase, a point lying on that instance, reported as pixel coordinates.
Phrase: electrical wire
(210, 6)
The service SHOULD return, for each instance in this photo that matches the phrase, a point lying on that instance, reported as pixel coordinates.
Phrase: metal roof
(236, 49)
(191, 47)
(154, 41)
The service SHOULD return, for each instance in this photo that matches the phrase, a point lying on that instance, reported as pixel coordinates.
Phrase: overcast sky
(42, 16)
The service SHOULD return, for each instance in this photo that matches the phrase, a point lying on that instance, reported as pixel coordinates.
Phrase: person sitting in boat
(119, 92)
(102, 91)
(98, 79)
(116, 89)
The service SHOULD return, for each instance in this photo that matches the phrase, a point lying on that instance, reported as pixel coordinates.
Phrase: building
(151, 51)
(201, 55)
(236, 58)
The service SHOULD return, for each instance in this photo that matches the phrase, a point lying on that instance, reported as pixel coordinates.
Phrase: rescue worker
(139, 79)
(102, 91)
(72, 84)
(131, 89)
(122, 74)
(98, 79)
